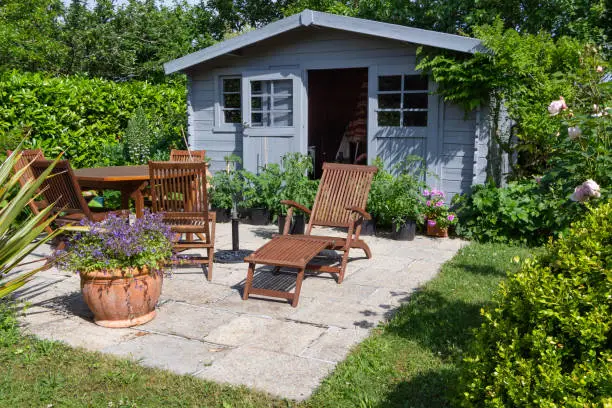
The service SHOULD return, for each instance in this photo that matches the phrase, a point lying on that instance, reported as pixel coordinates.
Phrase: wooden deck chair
(340, 202)
(28, 156)
(179, 191)
(62, 188)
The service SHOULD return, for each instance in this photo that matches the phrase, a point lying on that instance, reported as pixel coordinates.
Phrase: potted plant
(405, 206)
(120, 266)
(377, 200)
(438, 216)
(297, 186)
(261, 193)
(225, 194)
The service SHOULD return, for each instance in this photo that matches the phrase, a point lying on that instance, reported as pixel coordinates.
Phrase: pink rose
(588, 189)
(425, 192)
(439, 203)
(431, 223)
(428, 203)
(557, 106)
(450, 217)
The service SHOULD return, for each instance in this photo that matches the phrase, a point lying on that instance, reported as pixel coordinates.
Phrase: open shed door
(272, 112)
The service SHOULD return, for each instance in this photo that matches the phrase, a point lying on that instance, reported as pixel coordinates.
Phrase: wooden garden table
(129, 180)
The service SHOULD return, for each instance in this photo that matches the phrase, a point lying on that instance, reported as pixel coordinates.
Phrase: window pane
(389, 101)
(283, 118)
(260, 103)
(390, 83)
(231, 101)
(388, 118)
(415, 119)
(283, 87)
(260, 119)
(415, 101)
(260, 87)
(415, 83)
(231, 85)
(232, 116)
(283, 102)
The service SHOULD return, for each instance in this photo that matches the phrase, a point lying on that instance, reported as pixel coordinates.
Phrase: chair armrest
(296, 205)
(361, 212)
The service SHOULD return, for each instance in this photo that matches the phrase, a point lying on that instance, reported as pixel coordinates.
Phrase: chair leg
(364, 246)
(343, 266)
(249, 281)
(211, 257)
(298, 288)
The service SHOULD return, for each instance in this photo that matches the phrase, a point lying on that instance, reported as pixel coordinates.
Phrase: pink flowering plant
(113, 245)
(436, 211)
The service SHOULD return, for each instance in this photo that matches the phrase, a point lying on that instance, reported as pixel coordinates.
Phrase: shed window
(272, 103)
(231, 100)
(402, 100)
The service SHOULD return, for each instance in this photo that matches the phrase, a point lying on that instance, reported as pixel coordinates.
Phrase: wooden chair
(340, 202)
(197, 156)
(62, 188)
(27, 157)
(179, 191)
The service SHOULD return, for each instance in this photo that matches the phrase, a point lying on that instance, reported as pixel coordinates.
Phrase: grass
(412, 361)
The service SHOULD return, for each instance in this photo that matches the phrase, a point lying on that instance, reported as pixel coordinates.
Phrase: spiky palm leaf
(17, 240)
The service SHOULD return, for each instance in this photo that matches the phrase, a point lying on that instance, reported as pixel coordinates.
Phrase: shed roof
(315, 18)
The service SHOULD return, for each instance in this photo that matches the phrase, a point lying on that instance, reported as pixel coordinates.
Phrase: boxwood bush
(548, 340)
(84, 117)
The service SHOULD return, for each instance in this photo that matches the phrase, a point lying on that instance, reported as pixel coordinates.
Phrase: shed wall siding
(448, 147)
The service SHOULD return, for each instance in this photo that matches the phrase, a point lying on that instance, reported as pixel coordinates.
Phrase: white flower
(599, 69)
(574, 132)
(557, 106)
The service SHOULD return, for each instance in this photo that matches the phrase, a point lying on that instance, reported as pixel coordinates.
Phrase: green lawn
(409, 362)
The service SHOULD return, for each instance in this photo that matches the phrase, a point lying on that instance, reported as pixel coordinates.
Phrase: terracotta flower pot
(122, 298)
(436, 231)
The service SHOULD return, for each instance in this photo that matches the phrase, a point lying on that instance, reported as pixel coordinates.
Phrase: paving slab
(172, 353)
(279, 374)
(204, 328)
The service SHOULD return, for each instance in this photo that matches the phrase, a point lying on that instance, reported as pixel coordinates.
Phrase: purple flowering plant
(436, 211)
(113, 245)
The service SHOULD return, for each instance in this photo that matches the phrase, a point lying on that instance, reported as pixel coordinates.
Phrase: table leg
(125, 199)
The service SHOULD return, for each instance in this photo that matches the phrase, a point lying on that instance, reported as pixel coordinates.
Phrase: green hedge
(548, 340)
(84, 117)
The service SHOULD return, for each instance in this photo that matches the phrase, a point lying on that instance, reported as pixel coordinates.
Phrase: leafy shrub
(227, 186)
(297, 186)
(548, 340)
(263, 189)
(84, 117)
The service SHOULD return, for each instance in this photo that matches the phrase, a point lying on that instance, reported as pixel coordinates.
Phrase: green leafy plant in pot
(405, 206)
(296, 186)
(377, 200)
(262, 193)
(121, 267)
(226, 191)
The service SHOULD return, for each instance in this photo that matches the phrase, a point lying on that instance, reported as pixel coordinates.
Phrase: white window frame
(249, 130)
(221, 102)
(401, 92)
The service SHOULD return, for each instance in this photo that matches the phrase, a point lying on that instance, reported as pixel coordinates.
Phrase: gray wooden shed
(339, 88)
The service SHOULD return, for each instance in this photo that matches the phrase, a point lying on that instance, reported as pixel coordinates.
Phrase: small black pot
(406, 232)
(368, 227)
(223, 214)
(297, 224)
(260, 216)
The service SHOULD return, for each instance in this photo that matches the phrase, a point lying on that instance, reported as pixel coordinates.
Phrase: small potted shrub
(121, 267)
(405, 206)
(225, 194)
(297, 187)
(262, 192)
(377, 205)
(437, 214)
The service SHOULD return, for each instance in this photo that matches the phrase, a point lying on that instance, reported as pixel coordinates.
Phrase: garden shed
(339, 88)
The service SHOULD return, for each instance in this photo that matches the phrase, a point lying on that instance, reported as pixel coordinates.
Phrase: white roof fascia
(351, 24)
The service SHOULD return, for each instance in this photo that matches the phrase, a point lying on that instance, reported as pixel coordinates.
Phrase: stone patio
(205, 329)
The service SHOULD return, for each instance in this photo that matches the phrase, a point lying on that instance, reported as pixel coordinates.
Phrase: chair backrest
(179, 187)
(197, 156)
(341, 186)
(27, 156)
(61, 187)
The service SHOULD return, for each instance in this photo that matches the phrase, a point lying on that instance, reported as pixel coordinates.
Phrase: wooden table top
(114, 173)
